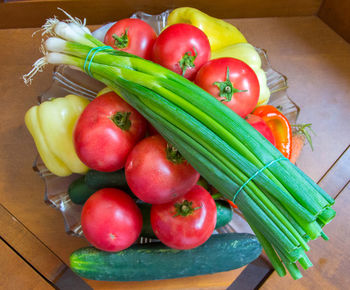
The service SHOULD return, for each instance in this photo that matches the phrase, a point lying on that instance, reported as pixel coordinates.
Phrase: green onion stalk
(283, 206)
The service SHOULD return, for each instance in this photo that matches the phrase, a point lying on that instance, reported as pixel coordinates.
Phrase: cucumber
(223, 217)
(83, 187)
(155, 261)
(223, 213)
(79, 192)
(97, 179)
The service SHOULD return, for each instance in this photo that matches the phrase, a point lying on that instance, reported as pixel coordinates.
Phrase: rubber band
(255, 174)
(87, 57)
(93, 50)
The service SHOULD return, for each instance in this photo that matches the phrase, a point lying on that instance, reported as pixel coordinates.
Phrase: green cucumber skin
(82, 188)
(223, 217)
(97, 179)
(224, 213)
(79, 192)
(155, 261)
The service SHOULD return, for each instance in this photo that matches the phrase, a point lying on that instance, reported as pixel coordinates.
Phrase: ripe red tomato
(182, 48)
(157, 173)
(133, 36)
(111, 220)
(259, 124)
(231, 81)
(187, 222)
(106, 132)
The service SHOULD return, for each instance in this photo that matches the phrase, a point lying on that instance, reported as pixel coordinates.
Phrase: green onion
(270, 252)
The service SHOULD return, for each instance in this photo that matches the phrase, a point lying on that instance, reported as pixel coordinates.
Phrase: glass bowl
(70, 81)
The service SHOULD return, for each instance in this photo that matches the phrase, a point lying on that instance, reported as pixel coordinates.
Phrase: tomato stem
(187, 61)
(303, 129)
(185, 208)
(173, 155)
(121, 119)
(226, 88)
(121, 41)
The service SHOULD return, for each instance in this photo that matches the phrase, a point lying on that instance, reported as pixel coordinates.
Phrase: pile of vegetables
(199, 107)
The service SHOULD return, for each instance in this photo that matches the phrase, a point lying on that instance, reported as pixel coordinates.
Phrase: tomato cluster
(111, 135)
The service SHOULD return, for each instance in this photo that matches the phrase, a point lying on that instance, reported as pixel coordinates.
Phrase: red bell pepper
(279, 126)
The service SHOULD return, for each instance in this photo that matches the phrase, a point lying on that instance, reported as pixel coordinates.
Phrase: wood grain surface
(315, 59)
(338, 176)
(29, 246)
(17, 274)
(214, 281)
(15, 14)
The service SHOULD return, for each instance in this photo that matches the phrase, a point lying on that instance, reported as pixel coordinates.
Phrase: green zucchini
(97, 179)
(155, 261)
(223, 217)
(79, 191)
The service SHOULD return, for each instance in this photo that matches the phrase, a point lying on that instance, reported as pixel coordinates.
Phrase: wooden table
(317, 63)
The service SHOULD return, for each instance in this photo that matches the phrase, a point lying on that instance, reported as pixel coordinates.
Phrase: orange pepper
(231, 203)
(280, 127)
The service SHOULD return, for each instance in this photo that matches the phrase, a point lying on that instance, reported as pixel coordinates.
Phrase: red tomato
(259, 124)
(106, 132)
(182, 48)
(157, 173)
(231, 81)
(133, 36)
(186, 222)
(111, 220)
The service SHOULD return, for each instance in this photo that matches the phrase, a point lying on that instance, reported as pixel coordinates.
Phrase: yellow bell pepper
(247, 53)
(51, 125)
(219, 32)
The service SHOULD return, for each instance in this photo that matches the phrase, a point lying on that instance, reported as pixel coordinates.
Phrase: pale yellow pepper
(247, 53)
(219, 32)
(51, 125)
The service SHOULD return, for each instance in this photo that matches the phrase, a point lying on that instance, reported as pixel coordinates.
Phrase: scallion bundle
(284, 207)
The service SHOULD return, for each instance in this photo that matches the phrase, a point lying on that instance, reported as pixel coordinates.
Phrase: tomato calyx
(184, 208)
(121, 41)
(173, 155)
(121, 119)
(227, 90)
(187, 61)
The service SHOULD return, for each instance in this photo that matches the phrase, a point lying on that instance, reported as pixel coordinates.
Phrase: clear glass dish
(70, 81)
